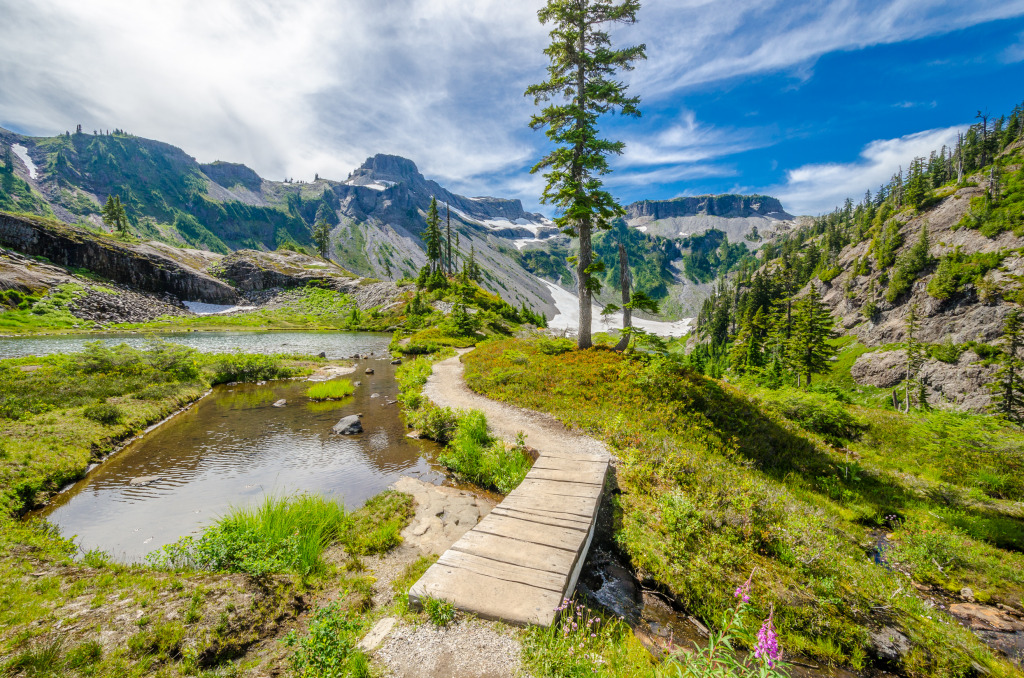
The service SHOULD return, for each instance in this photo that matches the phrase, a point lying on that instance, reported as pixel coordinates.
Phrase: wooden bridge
(521, 560)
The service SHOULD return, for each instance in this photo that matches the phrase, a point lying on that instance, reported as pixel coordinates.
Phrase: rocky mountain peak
(729, 206)
(385, 169)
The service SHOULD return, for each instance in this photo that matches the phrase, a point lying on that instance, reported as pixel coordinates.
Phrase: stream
(234, 447)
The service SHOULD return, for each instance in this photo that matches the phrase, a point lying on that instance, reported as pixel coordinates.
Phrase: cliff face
(229, 174)
(138, 266)
(728, 206)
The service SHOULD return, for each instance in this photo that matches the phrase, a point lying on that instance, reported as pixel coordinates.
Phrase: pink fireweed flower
(768, 641)
(744, 590)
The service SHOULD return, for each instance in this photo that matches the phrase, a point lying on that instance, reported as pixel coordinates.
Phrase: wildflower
(768, 641)
(743, 591)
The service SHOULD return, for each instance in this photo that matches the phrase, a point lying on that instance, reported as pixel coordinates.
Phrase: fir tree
(8, 161)
(582, 70)
(322, 237)
(1008, 385)
(915, 355)
(813, 326)
(432, 237)
(114, 215)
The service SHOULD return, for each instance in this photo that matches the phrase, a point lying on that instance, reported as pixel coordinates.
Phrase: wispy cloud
(815, 189)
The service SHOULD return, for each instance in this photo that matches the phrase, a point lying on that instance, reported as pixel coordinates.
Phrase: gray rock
(372, 640)
(397, 361)
(348, 426)
(883, 369)
(144, 480)
(374, 395)
(369, 370)
(967, 594)
(281, 403)
(322, 354)
(889, 643)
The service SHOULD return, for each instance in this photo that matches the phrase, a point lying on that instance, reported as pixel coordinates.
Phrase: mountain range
(377, 215)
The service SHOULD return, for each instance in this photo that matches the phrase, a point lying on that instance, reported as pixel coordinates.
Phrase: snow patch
(642, 229)
(568, 317)
(200, 308)
(22, 153)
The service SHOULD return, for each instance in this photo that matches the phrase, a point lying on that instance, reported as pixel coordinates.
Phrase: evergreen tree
(8, 161)
(432, 237)
(582, 70)
(1008, 385)
(322, 237)
(114, 215)
(813, 326)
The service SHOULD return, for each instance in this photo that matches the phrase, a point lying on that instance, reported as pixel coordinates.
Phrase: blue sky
(809, 101)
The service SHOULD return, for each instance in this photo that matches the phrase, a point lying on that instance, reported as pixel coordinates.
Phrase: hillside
(945, 238)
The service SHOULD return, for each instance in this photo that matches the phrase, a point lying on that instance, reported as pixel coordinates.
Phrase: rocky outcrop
(138, 266)
(962, 385)
(251, 270)
(348, 426)
(731, 206)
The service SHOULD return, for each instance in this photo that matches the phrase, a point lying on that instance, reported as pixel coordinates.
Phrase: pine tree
(322, 237)
(8, 161)
(813, 325)
(114, 215)
(582, 70)
(1008, 385)
(432, 237)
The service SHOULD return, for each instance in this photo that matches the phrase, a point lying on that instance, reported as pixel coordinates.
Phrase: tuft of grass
(283, 534)
(481, 459)
(439, 612)
(335, 389)
(376, 527)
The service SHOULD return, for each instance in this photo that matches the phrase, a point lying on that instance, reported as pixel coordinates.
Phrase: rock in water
(369, 370)
(396, 361)
(349, 425)
(323, 354)
(281, 403)
(144, 480)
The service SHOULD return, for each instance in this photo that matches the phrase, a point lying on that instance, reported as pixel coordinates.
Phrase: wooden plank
(559, 488)
(523, 507)
(590, 477)
(486, 597)
(536, 533)
(541, 579)
(577, 506)
(516, 552)
(542, 519)
(562, 464)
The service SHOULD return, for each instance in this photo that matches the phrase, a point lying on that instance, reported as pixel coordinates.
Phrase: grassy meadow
(718, 482)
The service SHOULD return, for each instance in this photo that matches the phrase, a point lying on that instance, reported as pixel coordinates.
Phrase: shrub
(248, 367)
(436, 423)
(329, 649)
(554, 346)
(335, 389)
(818, 413)
(104, 413)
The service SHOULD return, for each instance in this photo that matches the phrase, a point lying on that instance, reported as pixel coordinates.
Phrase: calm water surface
(234, 447)
(334, 344)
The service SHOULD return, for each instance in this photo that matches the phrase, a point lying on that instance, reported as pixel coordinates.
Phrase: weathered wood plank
(516, 552)
(590, 477)
(500, 570)
(487, 597)
(559, 488)
(544, 519)
(536, 533)
(576, 506)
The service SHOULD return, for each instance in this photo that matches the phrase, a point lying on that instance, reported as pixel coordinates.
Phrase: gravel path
(447, 388)
(466, 649)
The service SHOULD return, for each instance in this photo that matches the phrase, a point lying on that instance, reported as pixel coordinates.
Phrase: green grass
(479, 458)
(715, 483)
(335, 389)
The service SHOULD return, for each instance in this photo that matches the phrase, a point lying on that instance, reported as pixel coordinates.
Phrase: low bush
(330, 646)
(816, 412)
(104, 413)
(555, 346)
(335, 389)
(248, 367)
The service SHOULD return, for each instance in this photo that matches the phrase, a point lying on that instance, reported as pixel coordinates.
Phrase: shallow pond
(234, 447)
(334, 344)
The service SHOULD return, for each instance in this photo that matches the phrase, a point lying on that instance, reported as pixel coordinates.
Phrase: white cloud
(815, 189)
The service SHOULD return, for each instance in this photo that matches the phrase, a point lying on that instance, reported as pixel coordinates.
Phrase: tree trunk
(585, 259)
(627, 313)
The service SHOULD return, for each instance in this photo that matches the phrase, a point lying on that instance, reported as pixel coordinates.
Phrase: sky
(809, 101)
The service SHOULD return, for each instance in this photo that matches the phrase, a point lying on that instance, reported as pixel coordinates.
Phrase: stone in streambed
(144, 480)
(349, 425)
(369, 370)
(281, 403)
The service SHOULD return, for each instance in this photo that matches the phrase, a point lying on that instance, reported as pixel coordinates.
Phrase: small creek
(234, 447)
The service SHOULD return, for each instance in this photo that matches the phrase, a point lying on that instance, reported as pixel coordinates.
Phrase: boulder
(281, 403)
(985, 618)
(883, 369)
(889, 644)
(348, 426)
(369, 370)
(397, 361)
(322, 354)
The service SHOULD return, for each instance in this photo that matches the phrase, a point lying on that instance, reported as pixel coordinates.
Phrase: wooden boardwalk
(522, 559)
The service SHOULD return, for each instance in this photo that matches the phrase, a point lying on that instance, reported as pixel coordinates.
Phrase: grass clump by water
(290, 534)
(717, 482)
(479, 458)
(335, 389)
(283, 534)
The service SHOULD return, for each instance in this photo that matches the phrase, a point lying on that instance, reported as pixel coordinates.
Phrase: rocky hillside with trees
(923, 276)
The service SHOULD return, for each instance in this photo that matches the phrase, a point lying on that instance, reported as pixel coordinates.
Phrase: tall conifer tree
(813, 326)
(581, 76)
(1008, 386)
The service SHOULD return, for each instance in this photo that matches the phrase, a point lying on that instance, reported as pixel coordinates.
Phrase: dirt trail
(446, 387)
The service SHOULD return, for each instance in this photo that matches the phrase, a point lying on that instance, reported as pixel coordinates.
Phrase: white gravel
(466, 649)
